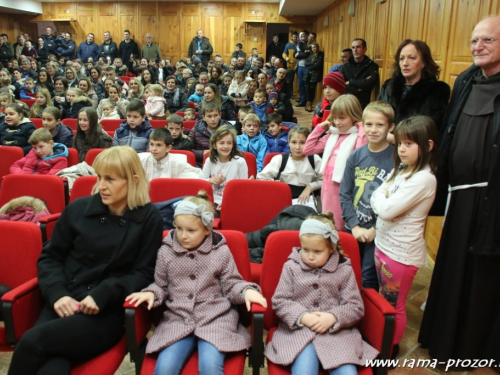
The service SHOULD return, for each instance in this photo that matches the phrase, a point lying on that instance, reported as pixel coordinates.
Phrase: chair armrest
(256, 352)
(137, 326)
(21, 308)
(47, 224)
(378, 324)
(217, 223)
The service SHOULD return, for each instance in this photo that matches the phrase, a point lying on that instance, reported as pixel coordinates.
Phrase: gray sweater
(365, 171)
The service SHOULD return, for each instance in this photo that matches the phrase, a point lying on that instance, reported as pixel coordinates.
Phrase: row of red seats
(23, 304)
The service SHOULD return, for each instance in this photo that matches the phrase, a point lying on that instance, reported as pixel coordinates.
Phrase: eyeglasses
(484, 41)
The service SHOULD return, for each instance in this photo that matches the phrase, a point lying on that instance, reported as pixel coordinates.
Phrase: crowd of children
(345, 166)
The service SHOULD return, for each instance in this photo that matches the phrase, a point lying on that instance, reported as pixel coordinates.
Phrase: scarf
(345, 149)
(176, 96)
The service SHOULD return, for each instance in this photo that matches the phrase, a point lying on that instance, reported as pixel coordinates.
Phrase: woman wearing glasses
(414, 88)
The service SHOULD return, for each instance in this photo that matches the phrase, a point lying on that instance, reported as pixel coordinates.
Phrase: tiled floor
(410, 349)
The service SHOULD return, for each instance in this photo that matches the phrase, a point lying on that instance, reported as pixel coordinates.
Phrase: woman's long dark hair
(94, 128)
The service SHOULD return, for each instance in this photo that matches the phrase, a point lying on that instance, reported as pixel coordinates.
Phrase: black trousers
(54, 343)
(311, 91)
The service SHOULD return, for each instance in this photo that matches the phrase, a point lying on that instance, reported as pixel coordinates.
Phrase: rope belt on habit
(460, 187)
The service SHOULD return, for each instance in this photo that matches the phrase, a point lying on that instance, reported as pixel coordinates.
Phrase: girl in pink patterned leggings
(402, 203)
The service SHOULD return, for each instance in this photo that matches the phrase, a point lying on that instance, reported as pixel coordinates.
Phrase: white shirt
(402, 206)
(235, 169)
(171, 166)
(299, 173)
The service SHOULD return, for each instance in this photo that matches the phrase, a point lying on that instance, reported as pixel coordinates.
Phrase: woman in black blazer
(103, 248)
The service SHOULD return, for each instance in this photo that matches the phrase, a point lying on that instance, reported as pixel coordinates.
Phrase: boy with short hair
(189, 114)
(252, 140)
(46, 157)
(366, 169)
(51, 120)
(203, 130)
(243, 111)
(175, 125)
(276, 136)
(238, 52)
(159, 163)
(259, 104)
(198, 96)
(135, 130)
(29, 89)
(273, 103)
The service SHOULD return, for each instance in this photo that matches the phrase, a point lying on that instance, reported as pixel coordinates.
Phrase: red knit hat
(335, 80)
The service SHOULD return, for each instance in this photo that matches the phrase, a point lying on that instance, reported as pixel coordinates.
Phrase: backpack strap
(284, 160)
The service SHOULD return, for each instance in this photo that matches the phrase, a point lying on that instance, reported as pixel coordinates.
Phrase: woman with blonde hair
(136, 89)
(102, 249)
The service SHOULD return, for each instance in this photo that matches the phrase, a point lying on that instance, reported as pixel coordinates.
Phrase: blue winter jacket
(260, 110)
(278, 144)
(86, 50)
(137, 138)
(256, 145)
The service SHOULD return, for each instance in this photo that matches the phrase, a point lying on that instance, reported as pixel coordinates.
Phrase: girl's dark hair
(153, 77)
(18, 108)
(217, 97)
(94, 128)
(221, 132)
(430, 70)
(421, 130)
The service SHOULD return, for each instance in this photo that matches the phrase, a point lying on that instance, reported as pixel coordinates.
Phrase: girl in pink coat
(345, 134)
(196, 278)
(319, 305)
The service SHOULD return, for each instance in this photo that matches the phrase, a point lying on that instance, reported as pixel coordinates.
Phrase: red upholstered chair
(191, 158)
(28, 102)
(181, 113)
(8, 156)
(82, 187)
(21, 247)
(192, 105)
(111, 124)
(72, 156)
(38, 122)
(164, 189)
(158, 123)
(189, 124)
(24, 305)
(71, 122)
(139, 320)
(49, 189)
(249, 158)
(377, 325)
(92, 154)
(250, 205)
(125, 79)
(268, 157)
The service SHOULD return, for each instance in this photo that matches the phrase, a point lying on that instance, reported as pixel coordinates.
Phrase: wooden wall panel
(15, 24)
(173, 24)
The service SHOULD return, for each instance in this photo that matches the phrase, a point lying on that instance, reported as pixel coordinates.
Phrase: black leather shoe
(300, 105)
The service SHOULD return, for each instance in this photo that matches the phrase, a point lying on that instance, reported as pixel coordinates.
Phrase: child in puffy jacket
(46, 157)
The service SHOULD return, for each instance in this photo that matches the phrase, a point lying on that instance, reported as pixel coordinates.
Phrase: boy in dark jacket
(273, 103)
(202, 131)
(51, 118)
(28, 90)
(135, 131)
(175, 125)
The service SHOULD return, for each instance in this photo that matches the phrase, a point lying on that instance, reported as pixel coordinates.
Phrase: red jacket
(32, 164)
